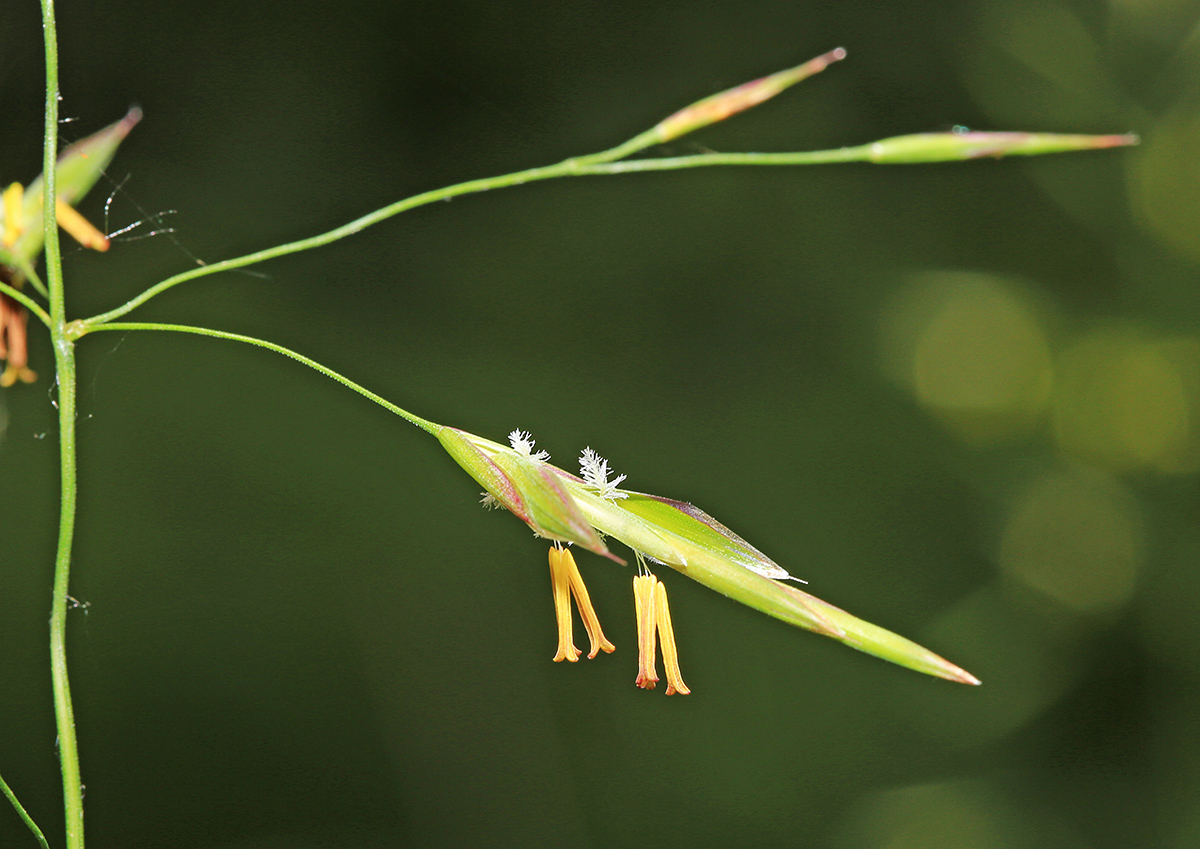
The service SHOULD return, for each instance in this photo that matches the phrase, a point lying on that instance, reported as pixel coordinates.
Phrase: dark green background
(301, 630)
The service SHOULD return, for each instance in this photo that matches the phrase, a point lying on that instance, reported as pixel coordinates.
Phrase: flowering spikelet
(588, 509)
(78, 168)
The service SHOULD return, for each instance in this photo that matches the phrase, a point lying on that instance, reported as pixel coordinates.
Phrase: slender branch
(861, 153)
(591, 165)
(23, 814)
(64, 361)
(50, 166)
(915, 148)
(29, 303)
(424, 424)
(482, 185)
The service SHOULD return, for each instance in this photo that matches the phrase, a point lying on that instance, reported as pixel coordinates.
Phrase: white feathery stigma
(522, 443)
(594, 470)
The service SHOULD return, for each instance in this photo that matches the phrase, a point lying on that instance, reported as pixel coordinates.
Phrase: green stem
(64, 712)
(591, 165)
(30, 304)
(352, 227)
(860, 153)
(23, 814)
(50, 166)
(424, 424)
(64, 361)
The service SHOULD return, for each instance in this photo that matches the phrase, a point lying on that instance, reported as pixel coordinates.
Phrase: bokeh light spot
(972, 352)
(1126, 402)
(1075, 536)
(1164, 182)
(950, 815)
(1161, 20)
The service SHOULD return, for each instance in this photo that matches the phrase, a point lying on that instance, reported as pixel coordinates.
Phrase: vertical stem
(68, 751)
(64, 362)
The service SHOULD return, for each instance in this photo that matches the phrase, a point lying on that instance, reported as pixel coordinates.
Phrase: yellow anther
(70, 220)
(667, 638)
(654, 625)
(566, 581)
(647, 626)
(13, 200)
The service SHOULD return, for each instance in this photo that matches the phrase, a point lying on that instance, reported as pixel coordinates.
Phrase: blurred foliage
(963, 401)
